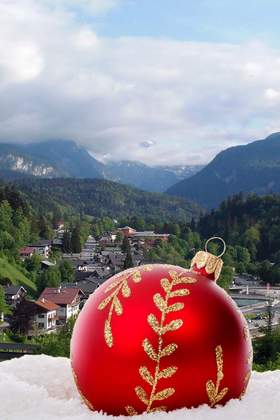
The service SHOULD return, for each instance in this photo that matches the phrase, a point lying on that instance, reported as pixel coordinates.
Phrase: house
(87, 286)
(26, 252)
(42, 247)
(146, 237)
(35, 317)
(127, 231)
(59, 225)
(68, 299)
(46, 315)
(14, 294)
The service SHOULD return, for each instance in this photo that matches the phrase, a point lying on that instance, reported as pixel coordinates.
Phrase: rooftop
(60, 295)
(46, 304)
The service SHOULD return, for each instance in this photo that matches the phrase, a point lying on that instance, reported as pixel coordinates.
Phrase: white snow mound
(42, 388)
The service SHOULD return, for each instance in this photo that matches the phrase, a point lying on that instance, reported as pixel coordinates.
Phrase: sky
(163, 82)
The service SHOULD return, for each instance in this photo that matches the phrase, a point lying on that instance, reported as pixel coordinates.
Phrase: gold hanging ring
(216, 238)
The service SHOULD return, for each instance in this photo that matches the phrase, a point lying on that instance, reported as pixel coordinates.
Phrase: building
(26, 252)
(14, 294)
(35, 317)
(146, 237)
(42, 248)
(46, 315)
(68, 299)
(87, 286)
(127, 231)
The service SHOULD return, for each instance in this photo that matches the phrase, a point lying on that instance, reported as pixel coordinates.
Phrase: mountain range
(64, 158)
(254, 167)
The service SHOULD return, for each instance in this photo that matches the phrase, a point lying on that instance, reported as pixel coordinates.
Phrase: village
(101, 258)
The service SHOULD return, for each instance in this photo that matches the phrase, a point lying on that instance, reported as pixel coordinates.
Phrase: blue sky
(160, 81)
(195, 20)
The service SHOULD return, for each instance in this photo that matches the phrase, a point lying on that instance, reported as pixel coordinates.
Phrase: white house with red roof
(26, 252)
(68, 300)
(46, 315)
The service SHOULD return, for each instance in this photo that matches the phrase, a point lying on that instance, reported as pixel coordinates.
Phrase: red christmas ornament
(160, 337)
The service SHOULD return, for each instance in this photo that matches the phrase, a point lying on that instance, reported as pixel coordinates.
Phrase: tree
(125, 245)
(226, 277)
(66, 271)
(45, 230)
(128, 262)
(57, 345)
(76, 245)
(66, 242)
(33, 263)
(49, 278)
(4, 308)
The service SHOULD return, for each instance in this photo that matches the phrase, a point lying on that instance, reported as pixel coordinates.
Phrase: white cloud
(58, 79)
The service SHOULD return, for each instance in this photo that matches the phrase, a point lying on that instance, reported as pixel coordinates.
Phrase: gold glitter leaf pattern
(108, 333)
(149, 350)
(159, 302)
(162, 395)
(165, 284)
(118, 306)
(187, 280)
(105, 302)
(146, 375)
(113, 285)
(168, 350)
(160, 408)
(175, 307)
(152, 320)
(120, 285)
(136, 276)
(131, 411)
(141, 394)
(168, 372)
(172, 326)
(180, 292)
(212, 390)
(126, 292)
(160, 328)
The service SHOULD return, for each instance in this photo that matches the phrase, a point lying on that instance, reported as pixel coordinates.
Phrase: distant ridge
(64, 158)
(254, 167)
(99, 198)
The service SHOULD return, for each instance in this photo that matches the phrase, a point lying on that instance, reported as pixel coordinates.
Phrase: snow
(42, 388)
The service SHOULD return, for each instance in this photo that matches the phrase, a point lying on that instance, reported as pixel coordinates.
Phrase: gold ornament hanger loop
(216, 238)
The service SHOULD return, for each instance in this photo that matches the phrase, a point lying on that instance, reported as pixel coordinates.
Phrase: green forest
(249, 224)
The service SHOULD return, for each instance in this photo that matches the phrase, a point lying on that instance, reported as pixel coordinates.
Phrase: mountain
(64, 158)
(183, 171)
(139, 175)
(100, 198)
(147, 178)
(254, 167)
(50, 159)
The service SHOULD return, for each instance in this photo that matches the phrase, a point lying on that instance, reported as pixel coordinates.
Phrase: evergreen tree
(66, 242)
(66, 271)
(125, 245)
(128, 262)
(76, 245)
(49, 278)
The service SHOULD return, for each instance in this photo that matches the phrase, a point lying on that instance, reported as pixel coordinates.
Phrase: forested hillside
(100, 198)
(254, 167)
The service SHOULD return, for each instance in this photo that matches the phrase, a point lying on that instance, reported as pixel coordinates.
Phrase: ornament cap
(207, 264)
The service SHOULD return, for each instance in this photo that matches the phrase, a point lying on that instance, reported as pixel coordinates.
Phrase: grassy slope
(11, 272)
